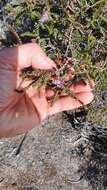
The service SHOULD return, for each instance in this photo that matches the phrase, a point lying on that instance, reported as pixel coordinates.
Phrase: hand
(20, 112)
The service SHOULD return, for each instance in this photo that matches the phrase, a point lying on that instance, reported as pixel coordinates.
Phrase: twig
(13, 31)
(73, 95)
(97, 3)
(69, 41)
(21, 143)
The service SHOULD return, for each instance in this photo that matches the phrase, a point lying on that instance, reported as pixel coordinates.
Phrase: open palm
(20, 112)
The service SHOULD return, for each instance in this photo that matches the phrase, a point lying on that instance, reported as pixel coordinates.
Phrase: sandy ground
(54, 156)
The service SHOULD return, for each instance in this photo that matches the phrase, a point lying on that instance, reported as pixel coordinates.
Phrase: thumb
(32, 55)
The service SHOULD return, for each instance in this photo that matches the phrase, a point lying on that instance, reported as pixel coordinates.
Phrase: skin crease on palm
(20, 112)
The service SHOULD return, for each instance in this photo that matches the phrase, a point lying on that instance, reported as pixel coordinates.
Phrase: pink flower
(58, 83)
(44, 18)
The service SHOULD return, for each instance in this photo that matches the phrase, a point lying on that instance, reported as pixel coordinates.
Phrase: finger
(70, 74)
(40, 102)
(80, 86)
(69, 103)
(77, 87)
(49, 93)
(32, 55)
